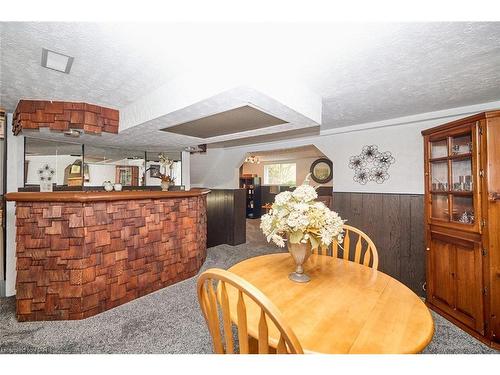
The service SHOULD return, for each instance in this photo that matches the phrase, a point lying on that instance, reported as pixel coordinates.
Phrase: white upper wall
(404, 142)
(218, 168)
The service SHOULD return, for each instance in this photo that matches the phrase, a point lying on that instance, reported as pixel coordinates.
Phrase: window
(280, 174)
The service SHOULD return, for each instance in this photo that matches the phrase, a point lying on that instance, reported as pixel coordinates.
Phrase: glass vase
(300, 252)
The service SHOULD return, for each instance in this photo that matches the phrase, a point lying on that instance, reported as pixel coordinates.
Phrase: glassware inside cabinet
(463, 209)
(439, 149)
(461, 171)
(461, 145)
(439, 176)
(440, 207)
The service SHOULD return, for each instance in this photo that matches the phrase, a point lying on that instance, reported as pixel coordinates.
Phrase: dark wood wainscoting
(226, 217)
(268, 197)
(395, 223)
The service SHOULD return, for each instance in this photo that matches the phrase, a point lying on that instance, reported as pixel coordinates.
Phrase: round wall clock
(322, 170)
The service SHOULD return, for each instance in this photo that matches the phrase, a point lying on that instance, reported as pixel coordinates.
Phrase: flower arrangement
(301, 219)
(165, 178)
(165, 173)
(165, 162)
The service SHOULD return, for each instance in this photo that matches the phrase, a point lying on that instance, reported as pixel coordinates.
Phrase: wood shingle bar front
(76, 259)
(62, 116)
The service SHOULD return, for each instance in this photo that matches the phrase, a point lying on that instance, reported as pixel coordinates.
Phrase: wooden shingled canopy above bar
(62, 116)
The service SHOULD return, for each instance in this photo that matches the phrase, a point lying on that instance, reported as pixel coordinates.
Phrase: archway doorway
(264, 174)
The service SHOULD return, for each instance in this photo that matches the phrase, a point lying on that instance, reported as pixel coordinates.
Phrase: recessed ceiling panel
(229, 122)
(273, 137)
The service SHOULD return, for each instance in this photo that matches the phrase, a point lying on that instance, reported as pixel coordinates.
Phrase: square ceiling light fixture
(56, 61)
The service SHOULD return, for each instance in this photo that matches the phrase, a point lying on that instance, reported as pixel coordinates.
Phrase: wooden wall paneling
(343, 201)
(214, 214)
(267, 197)
(356, 209)
(370, 209)
(228, 212)
(405, 239)
(392, 217)
(221, 219)
(240, 227)
(226, 215)
(416, 263)
(324, 190)
(395, 224)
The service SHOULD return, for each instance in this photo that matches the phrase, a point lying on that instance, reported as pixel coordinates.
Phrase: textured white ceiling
(361, 72)
(410, 69)
(106, 69)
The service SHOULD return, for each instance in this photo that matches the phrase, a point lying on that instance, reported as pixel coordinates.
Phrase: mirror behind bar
(86, 167)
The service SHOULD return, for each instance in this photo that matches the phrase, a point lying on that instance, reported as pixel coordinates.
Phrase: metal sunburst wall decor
(46, 175)
(371, 165)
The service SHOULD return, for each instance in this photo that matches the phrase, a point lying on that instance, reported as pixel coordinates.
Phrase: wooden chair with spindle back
(362, 254)
(223, 343)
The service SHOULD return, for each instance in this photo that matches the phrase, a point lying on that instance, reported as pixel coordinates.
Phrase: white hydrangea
(297, 216)
(283, 198)
(305, 193)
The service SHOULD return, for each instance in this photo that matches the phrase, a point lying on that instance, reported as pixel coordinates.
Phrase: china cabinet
(462, 217)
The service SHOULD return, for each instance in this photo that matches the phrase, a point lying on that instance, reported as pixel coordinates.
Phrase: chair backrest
(222, 339)
(364, 249)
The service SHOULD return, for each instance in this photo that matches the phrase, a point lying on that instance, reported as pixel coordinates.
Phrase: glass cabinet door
(461, 171)
(461, 145)
(451, 171)
(440, 207)
(439, 176)
(439, 149)
(463, 209)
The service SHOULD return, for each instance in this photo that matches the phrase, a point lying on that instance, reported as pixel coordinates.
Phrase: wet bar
(82, 253)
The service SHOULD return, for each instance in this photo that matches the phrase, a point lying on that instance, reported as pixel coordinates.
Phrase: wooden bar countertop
(97, 196)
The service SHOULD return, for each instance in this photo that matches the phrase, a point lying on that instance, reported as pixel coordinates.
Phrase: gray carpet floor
(167, 321)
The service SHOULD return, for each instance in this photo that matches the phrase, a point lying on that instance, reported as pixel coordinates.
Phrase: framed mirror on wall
(322, 170)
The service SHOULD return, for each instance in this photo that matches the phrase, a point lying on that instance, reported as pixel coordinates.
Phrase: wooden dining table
(345, 308)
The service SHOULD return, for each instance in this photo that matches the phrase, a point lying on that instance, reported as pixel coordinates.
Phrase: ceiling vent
(56, 61)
